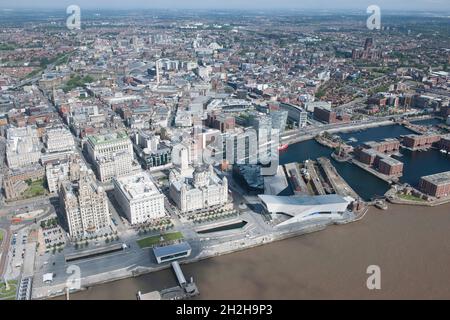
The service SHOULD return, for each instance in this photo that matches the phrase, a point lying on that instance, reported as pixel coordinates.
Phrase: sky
(402, 5)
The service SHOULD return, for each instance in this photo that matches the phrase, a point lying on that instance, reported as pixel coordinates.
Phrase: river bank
(240, 244)
(353, 175)
(410, 244)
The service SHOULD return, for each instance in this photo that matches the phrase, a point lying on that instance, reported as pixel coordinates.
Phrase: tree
(44, 62)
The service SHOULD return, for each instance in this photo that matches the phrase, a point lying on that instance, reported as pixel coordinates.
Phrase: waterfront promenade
(410, 245)
(134, 261)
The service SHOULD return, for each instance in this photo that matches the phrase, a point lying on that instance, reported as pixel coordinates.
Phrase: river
(409, 243)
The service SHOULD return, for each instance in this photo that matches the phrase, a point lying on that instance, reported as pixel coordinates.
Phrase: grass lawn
(35, 189)
(410, 197)
(8, 294)
(1, 236)
(155, 240)
(77, 81)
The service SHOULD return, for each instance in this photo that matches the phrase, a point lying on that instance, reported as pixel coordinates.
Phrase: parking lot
(53, 237)
(16, 253)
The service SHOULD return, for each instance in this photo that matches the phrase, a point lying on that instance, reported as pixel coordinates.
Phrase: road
(4, 247)
(2, 165)
(8, 211)
(309, 133)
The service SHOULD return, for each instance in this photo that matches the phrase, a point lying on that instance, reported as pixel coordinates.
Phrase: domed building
(203, 190)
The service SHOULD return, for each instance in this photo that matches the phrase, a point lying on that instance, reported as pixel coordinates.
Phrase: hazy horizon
(400, 5)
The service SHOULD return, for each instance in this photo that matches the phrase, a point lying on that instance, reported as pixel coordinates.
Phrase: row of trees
(50, 223)
(108, 239)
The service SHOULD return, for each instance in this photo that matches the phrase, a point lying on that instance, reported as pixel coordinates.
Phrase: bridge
(179, 273)
(184, 290)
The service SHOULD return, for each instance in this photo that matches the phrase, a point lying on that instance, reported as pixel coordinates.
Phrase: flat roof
(107, 138)
(48, 277)
(442, 178)
(372, 152)
(173, 249)
(137, 186)
(391, 161)
(93, 252)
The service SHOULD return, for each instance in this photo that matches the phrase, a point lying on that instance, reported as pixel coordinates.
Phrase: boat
(283, 147)
(352, 139)
(381, 205)
(443, 151)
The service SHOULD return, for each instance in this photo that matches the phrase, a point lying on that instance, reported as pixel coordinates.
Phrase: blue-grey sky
(407, 5)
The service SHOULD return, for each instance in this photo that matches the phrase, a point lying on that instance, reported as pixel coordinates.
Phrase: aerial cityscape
(224, 151)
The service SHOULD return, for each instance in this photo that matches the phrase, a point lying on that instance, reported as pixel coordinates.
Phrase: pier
(184, 290)
(339, 185)
(315, 181)
(298, 184)
(379, 175)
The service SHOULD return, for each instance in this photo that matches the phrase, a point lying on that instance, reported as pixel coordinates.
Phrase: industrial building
(382, 162)
(385, 146)
(414, 141)
(390, 166)
(436, 185)
(445, 143)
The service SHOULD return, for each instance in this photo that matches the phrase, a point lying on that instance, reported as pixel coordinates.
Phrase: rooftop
(304, 200)
(137, 186)
(107, 138)
(391, 161)
(439, 179)
(172, 249)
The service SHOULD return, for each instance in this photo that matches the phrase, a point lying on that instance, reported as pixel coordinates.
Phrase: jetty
(185, 290)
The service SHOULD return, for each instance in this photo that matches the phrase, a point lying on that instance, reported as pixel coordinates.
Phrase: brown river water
(410, 244)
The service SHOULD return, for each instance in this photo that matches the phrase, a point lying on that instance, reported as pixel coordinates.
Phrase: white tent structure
(302, 208)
